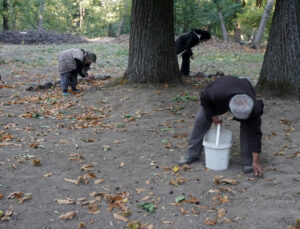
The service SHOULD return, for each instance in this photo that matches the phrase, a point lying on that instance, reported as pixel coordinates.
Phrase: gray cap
(241, 106)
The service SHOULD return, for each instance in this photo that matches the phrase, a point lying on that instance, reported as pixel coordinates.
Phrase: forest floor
(107, 156)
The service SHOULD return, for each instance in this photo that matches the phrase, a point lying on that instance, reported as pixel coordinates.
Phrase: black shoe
(187, 160)
(247, 168)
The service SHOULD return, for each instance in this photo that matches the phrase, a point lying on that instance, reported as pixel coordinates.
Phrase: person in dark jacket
(184, 44)
(229, 93)
(72, 62)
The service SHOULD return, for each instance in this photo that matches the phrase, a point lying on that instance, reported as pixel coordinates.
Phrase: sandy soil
(123, 143)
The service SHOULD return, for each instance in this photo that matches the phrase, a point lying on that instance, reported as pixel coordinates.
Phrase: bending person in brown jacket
(229, 93)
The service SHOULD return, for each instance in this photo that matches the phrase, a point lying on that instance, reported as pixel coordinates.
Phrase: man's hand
(258, 170)
(89, 78)
(216, 120)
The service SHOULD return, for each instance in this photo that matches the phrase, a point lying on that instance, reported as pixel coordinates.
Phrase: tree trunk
(280, 72)
(152, 55)
(120, 27)
(41, 16)
(223, 28)
(237, 27)
(5, 15)
(81, 17)
(237, 33)
(262, 24)
(110, 31)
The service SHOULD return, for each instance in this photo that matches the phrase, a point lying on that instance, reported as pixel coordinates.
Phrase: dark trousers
(185, 66)
(249, 141)
(69, 78)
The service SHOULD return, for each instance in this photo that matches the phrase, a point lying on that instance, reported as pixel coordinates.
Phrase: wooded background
(94, 18)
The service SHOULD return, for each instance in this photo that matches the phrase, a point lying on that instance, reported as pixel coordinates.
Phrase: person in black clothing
(184, 44)
(237, 95)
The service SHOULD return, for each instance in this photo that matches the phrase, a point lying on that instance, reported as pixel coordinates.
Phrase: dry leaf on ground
(210, 221)
(221, 212)
(140, 190)
(64, 201)
(68, 215)
(93, 209)
(99, 181)
(120, 217)
(10, 211)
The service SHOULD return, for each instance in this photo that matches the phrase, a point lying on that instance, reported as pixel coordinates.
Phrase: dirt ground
(107, 150)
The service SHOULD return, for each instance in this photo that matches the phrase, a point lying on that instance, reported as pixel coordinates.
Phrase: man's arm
(80, 68)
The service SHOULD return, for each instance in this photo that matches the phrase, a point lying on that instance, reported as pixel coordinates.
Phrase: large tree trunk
(262, 24)
(281, 67)
(223, 28)
(41, 15)
(5, 15)
(152, 55)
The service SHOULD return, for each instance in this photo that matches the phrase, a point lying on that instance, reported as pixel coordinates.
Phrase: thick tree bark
(41, 15)
(280, 72)
(152, 55)
(5, 15)
(262, 24)
(223, 28)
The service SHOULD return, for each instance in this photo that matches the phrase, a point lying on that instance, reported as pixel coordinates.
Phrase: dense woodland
(94, 18)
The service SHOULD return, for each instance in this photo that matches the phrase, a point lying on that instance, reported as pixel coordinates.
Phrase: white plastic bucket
(217, 145)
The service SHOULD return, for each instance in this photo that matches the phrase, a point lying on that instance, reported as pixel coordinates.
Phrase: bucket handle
(218, 134)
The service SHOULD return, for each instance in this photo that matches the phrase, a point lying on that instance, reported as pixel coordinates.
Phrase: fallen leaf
(173, 182)
(145, 198)
(179, 199)
(147, 206)
(93, 209)
(269, 179)
(183, 211)
(27, 196)
(226, 220)
(168, 222)
(71, 181)
(221, 212)
(48, 174)
(99, 181)
(230, 181)
(217, 179)
(15, 195)
(134, 225)
(193, 200)
(226, 189)
(140, 190)
(120, 217)
(64, 201)
(68, 215)
(175, 169)
(210, 221)
(36, 162)
(82, 225)
(10, 211)
(1, 196)
(252, 178)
